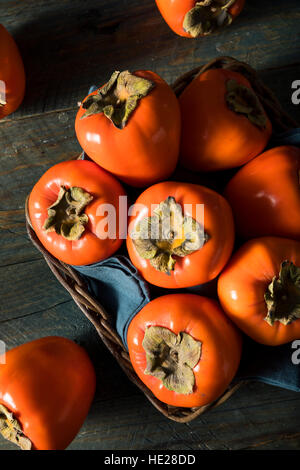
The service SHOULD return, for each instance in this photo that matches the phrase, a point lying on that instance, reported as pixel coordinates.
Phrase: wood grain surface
(67, 45)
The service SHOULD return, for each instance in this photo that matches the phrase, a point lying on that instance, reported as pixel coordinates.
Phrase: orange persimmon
(223, 122)
(67, 210)
(184, 348)
(191, 18)
(180, 234)
(265, 195)
(46, 389)
(259, 290)
(131, 127)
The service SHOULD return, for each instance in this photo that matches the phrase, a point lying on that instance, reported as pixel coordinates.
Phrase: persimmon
(265, 195)
(260, 290)
(67, 210)
(191, 18)
(46, 389)
(180, 234)
(12, 74)
(131, 127)
(224, 124)
(184, 348)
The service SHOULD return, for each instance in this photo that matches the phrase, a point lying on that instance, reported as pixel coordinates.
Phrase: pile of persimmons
(185, 347)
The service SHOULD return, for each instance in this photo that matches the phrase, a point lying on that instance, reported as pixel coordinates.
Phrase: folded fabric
(273, 365)
(116, 283)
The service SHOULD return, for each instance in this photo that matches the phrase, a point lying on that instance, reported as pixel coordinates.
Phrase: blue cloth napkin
(121, 290)
(116, 283)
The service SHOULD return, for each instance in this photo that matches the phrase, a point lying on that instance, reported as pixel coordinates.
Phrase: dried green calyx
(207, 16)
(11, 430)
(65, 216)
(171, 358)
(118, 98)
(243, 100)
(283, 295)
(166, 234)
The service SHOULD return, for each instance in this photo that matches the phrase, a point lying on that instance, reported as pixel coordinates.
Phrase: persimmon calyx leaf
(118, 98)
(171, 358)
(207, 16)
(11, 430)
(167, 233)
(65, 215)
(242, 100)
(283, 295)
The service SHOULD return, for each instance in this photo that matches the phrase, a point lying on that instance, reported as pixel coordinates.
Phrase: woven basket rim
(280, 119)
(91, 307)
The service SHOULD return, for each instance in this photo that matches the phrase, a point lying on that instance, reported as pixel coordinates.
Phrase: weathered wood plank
(128, 424)
(240, 423)
(67, 46)
(16, 248)
(32, 146)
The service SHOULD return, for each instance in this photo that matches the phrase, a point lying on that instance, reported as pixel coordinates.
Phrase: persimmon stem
(65, 215)
(11, 430)
(242, 100)
(166, 234)
(207, 16)
(171, 358)
(118, 98)
(283, 295)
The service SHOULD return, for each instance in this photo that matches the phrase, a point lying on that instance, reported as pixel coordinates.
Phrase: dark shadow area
(80, 43)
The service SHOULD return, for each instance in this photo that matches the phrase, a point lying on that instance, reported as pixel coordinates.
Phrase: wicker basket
(93, 310)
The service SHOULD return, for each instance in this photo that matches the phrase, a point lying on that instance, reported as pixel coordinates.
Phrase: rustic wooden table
(67, 46)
